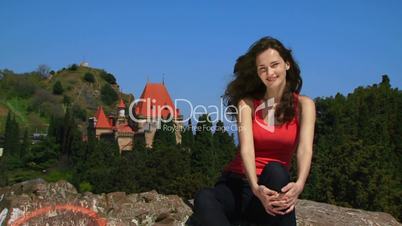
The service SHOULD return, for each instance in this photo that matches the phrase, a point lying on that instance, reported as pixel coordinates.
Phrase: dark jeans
(231, 200)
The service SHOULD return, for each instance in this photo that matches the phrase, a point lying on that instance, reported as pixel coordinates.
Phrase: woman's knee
(203, 199)
(274, 176)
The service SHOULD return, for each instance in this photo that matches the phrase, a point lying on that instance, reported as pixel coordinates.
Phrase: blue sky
(339, 45)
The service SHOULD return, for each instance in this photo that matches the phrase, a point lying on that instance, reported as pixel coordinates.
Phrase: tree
(43, 154)
(43, 70)
(203, 155)
(65, 132)
(73, 67)
(66, 100)
(12, 137)
(102, 165)
(165, 136)
(3, 170)
(108, 77)
(45, 104)
(7, 130)
(67, 137)
(89, 77)
(224, 144)
(188, 136)
(25, 148)
(4, 156)
(108, 94)
(23, 87)
(55, 128)
(81, 154)
(79, 113)
(58, 88)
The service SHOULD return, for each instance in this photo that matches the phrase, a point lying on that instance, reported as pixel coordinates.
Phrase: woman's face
(271, 68)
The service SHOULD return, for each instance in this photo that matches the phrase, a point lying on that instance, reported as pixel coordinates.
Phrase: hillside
(32, 99)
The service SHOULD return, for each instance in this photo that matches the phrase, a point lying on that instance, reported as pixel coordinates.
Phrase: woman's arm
(244, 120)
(244, 126)
(304, 153)
(305, 147)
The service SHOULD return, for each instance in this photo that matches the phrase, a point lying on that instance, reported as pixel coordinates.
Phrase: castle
(154, 104)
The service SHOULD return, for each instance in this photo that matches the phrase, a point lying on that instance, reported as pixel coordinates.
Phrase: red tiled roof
(123, 128)
(97, 113)
(158, 92)
(102, 121)
(122, 104)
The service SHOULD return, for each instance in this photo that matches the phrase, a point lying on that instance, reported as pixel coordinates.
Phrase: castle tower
(102, 125)
(154, 104)
(122, 108)
(112, 128)
(124, 133)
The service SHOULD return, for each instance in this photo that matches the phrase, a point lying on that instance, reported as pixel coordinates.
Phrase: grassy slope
(85, 94)
(26, 120)
(19, 108)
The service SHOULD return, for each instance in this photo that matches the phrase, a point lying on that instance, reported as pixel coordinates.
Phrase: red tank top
(276, 145)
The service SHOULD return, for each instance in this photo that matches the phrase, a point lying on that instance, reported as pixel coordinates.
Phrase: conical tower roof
(122, 105)
(102, 121)
(159, 98)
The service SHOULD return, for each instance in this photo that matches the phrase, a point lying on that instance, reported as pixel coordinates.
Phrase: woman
(274, 121)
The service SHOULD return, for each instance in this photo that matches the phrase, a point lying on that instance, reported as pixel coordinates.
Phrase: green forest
(357, 159)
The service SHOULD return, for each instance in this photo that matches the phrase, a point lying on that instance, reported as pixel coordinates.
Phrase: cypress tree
(7, 132)
(12, 137)
(165, 136)
(3, 170)
(4, 157)
(203, 155)
(224, 145)
(58, 88)
(188, 136)
(68, 132)
(25, 148)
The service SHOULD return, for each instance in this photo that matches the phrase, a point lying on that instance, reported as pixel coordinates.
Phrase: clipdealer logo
(269, 104)
(153, 112)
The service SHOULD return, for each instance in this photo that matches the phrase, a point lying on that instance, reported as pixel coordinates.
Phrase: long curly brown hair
(246, 82)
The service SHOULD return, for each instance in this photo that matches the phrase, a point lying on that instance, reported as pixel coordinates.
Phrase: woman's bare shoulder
(305, 100)
(306, 104)
(246, 101)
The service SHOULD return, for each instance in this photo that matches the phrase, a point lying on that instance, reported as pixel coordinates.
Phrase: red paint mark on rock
(92, 215)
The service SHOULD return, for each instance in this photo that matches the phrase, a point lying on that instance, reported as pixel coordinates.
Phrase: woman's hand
(268, 198)
(288, 201)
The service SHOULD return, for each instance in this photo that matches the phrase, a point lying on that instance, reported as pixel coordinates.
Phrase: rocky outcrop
(37, 202)
(316, 213)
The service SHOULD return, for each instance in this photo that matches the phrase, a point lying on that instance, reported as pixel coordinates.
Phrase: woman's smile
(272, 79)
